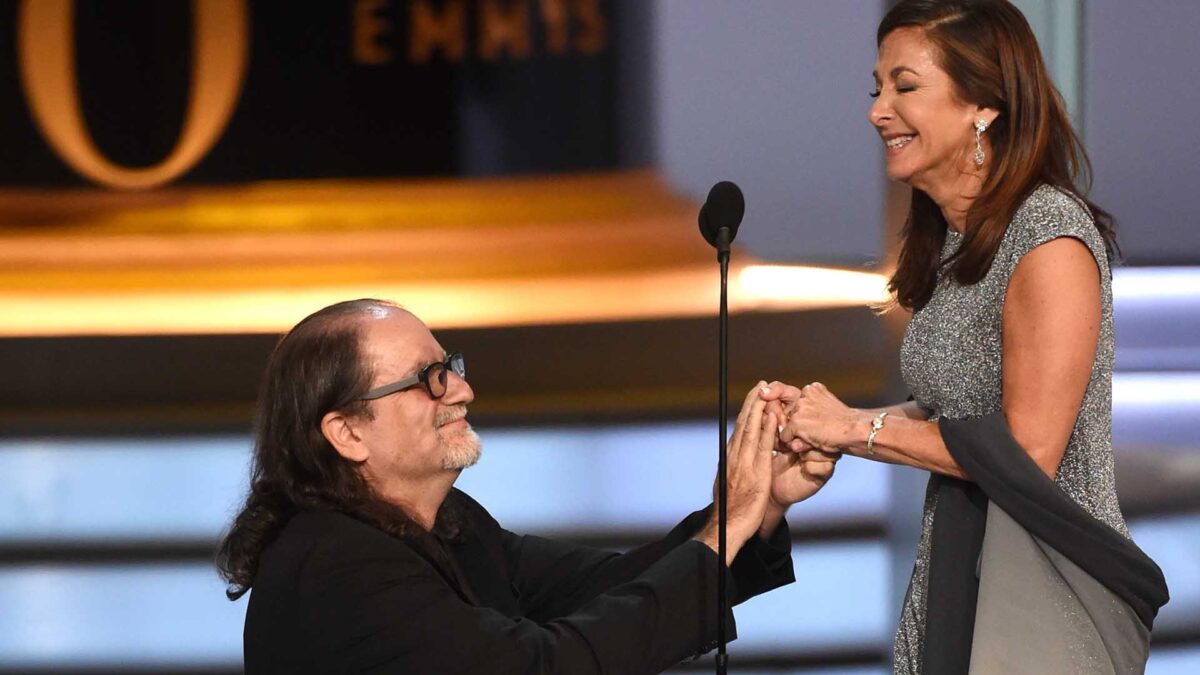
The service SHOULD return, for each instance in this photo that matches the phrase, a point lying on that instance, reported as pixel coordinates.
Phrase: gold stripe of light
(256, 259)
(662, 294)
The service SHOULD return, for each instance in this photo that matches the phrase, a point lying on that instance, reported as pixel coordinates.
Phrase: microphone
(719, 220)
(721, 215)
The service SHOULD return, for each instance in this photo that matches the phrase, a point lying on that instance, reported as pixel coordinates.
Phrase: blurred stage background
(182, 181)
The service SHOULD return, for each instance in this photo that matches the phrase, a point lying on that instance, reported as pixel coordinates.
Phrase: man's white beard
(461, 451)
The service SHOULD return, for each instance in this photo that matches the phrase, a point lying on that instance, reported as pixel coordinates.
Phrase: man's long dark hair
(315, 369)
(990, 53)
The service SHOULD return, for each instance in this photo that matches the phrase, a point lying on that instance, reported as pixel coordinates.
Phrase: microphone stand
(719, 219)
(722, 244)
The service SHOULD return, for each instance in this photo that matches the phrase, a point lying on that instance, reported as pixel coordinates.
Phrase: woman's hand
(818, 420)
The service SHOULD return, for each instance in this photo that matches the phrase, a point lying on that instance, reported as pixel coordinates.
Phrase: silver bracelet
(876, 425)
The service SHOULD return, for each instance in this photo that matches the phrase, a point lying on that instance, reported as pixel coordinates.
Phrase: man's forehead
(398, 340)
(383, 311)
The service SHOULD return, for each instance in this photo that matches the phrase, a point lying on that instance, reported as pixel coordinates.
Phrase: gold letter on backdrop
(46, 45)
(429, 31)
(594, 35)
(503, 30)
(368, 26)
(554, 14)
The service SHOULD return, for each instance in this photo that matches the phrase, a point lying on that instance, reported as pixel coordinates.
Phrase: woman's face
(928, 132)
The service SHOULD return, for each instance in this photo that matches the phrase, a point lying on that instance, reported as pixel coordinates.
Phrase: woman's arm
(787, 395)
(820, 420)
(1050, 330)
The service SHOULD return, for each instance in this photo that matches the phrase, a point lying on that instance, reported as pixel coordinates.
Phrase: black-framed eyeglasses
(434, 376)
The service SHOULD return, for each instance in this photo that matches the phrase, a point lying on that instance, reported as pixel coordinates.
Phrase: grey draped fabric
(1038, 612)
(1022, 579)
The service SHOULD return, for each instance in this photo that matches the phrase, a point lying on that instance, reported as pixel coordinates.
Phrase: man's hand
(749, 465)
(796, 475)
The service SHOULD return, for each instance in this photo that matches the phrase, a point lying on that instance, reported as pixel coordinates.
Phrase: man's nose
(457, 390)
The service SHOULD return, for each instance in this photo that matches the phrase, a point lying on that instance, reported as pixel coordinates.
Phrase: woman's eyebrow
(895, 72)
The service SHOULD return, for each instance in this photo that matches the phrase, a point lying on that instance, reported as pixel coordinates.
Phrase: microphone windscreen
(709, 233)
(724, 207)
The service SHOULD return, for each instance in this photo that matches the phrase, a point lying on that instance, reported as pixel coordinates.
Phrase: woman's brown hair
(990, 53)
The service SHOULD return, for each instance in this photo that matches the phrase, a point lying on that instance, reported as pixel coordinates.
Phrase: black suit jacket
(335, 595)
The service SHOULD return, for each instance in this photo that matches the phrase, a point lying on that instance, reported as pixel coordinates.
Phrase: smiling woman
(1008, 355)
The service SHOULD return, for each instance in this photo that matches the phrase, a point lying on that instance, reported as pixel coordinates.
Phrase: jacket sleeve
(384, 611)
(553, 578)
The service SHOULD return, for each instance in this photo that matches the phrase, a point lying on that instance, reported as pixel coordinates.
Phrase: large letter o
(46, 45)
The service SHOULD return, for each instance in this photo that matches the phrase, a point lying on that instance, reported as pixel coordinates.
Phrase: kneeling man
(363, 557)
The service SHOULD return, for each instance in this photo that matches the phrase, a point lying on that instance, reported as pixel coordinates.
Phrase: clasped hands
(784, 448)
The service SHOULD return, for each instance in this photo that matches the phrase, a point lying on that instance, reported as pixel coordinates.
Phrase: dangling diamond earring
(980, 127)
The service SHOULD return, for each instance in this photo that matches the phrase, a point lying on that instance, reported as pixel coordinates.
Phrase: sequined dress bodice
(951, 362)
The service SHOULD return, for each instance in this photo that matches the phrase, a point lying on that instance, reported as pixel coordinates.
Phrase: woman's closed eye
(900, 89)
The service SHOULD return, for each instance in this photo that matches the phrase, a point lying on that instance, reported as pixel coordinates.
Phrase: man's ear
(338, 428)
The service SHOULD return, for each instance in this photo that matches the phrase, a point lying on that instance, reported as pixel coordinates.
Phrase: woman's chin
(899, 174)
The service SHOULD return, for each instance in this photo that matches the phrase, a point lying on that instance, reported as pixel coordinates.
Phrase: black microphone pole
(719, 220)
(723, 240)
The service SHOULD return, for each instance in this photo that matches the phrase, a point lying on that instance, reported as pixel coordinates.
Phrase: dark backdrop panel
(309, 107)
(593, 373)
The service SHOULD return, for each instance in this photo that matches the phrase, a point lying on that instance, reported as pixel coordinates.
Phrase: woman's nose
(879, 112)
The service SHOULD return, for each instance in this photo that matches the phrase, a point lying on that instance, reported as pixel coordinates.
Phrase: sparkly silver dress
(950, 360)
